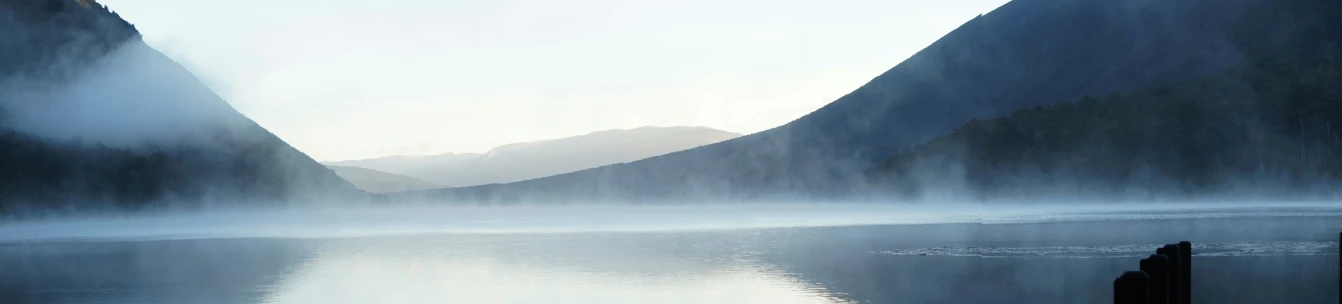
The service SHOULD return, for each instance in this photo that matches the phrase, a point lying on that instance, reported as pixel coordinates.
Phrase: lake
(685, 254)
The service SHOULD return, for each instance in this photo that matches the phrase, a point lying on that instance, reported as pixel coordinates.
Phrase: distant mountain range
(1024, 54)
(523, 161)
(1088, 98)
(375, 181)
(92, 117)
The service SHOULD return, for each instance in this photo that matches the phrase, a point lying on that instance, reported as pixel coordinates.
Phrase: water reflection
(1286, 266)
(589, 268)
(707, 267)
(183, 271)
(1269, 258)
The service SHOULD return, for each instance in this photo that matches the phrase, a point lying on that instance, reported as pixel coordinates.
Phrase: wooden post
(1176, 274)
(1157, 268)
(1186, 272)
(1131, 288)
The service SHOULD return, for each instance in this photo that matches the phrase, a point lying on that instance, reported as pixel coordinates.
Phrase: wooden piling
(1186, 272)
(1132, 288)
(1171, 251)
(1157, 268)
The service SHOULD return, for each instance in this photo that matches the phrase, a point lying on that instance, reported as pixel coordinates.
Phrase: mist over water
(103, 122)
(429, 219)
(781, 253)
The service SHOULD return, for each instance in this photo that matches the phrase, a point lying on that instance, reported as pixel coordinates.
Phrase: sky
(352, 79)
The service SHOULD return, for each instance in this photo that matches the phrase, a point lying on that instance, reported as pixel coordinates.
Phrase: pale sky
(346, 79)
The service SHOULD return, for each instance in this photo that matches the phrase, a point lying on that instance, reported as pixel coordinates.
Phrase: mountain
(1269, 131)
(415, 166)
(375, 181)
(92, 117)
(1024, 54)
(523, 161)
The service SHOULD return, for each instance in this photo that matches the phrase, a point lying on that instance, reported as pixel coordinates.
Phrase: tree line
(1271, 129)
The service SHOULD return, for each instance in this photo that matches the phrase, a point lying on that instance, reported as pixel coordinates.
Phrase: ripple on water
(1245, 248)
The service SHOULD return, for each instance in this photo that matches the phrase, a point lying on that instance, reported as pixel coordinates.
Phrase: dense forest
(1266, 128)
(1269, 130)
(42, 174)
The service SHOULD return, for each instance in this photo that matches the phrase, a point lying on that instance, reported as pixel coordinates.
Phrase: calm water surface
(1243, 256)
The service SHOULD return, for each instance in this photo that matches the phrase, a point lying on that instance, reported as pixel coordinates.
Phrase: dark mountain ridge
(1024, 54)
(1262, 132)
(92, 117)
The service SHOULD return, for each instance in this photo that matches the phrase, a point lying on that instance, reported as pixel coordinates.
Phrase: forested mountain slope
(91, 117)
(1267, 131)
(1025, 54)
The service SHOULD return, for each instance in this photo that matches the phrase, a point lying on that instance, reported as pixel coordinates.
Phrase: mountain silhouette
(375, 181)
(92, 117)
(1024, 54)
(523, 161)
(1260, 133)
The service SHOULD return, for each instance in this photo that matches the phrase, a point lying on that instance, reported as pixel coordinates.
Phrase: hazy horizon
(314, 222)
(981, 169)
(339, 161)
(427, 77)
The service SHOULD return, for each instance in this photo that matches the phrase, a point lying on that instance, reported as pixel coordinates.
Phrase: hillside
(1263, 132)
(416, 166)
(523, 161)
(375, 181)
(1024, 54)
(92, 117)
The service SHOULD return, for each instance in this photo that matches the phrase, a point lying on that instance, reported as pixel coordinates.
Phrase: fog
(83, 73)
(768, 253)
(131, 97)
(431, 219)
(788, 213)
(93, 119)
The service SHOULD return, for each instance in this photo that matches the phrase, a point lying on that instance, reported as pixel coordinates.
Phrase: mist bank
(278, 222)
(92, 118)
